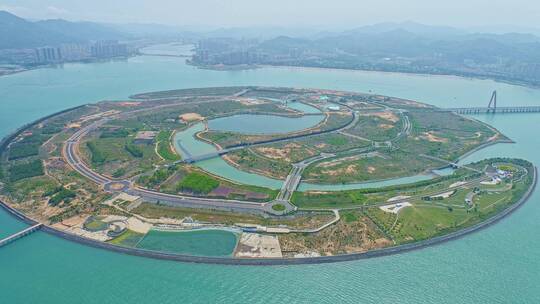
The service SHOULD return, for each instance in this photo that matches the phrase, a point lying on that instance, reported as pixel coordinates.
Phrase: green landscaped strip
(129, 238)
(278, 207)
(164, 146)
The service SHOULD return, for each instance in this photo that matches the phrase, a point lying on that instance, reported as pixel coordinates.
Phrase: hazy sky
(299, 13)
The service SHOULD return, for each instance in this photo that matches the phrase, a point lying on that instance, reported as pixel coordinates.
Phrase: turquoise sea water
(497, 265)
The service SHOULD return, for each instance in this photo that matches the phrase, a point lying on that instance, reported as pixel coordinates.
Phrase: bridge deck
(482, 110)
(20, 234)
(184, 151)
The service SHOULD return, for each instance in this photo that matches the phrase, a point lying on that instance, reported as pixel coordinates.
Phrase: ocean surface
(500, 264)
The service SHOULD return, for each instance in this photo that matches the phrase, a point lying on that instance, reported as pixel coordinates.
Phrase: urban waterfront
(482, 268)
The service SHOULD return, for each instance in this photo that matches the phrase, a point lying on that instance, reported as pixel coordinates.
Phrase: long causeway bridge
(486, 110)
(492, 108)
(20, 234)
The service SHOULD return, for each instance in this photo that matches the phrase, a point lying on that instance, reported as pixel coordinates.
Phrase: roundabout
(117, 186)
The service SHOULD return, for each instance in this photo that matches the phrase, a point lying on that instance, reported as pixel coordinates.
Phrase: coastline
(258, 261)
(7, 73)
(252, 67)
(52, 65)
(283, 261)
(259, 66)
(516, 83)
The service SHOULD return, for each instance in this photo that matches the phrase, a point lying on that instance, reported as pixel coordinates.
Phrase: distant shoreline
(245, 67)
(24, 68)
(8, 72)
(259, 66)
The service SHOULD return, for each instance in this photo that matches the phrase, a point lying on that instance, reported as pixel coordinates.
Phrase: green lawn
(376, 128)
(95, 224)
(164, 147)
(119, 156)
(129, 238)
(198, 183)
(278, 207)
(425, 222)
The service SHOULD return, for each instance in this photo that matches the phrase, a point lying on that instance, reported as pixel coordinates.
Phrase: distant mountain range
(438, 45)
(16, 32)
(399, 47)
(396, 47)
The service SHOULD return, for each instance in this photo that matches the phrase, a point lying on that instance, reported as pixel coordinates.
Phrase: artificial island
(259, 175)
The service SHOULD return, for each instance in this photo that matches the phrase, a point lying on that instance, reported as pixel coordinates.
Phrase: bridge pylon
(492, 106)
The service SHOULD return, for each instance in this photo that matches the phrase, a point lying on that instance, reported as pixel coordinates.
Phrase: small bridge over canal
(492, 108)
(20, 234)
(193, 159)
(189, 158)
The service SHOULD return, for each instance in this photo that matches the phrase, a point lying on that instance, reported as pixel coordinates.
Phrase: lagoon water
(217, 165)
(497, 265)
(217, 243)
(263, 124)
(185, 142)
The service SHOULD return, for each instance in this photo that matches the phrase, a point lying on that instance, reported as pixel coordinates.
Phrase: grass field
(377, 126)
(164, 146)
(426, 219)
(32, 188)
(225, 189)
(367, 167)
(249, 161)
(303, 220)
(95, 224)
(108, 155)
(444, 134)
(129, 238)
(189, 92)
(197, 183)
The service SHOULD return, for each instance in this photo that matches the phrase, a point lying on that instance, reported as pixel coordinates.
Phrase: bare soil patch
(189, 117)
(431, 137)
(386, 115)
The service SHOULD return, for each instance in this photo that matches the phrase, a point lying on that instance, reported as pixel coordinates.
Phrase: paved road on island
(71, 155)
(290, 137)
(295, 176)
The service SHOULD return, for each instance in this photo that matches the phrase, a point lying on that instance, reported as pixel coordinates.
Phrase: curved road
(71, 155)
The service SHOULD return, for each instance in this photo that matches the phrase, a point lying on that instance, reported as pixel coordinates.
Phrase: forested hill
(16, 32)
(408, 48)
